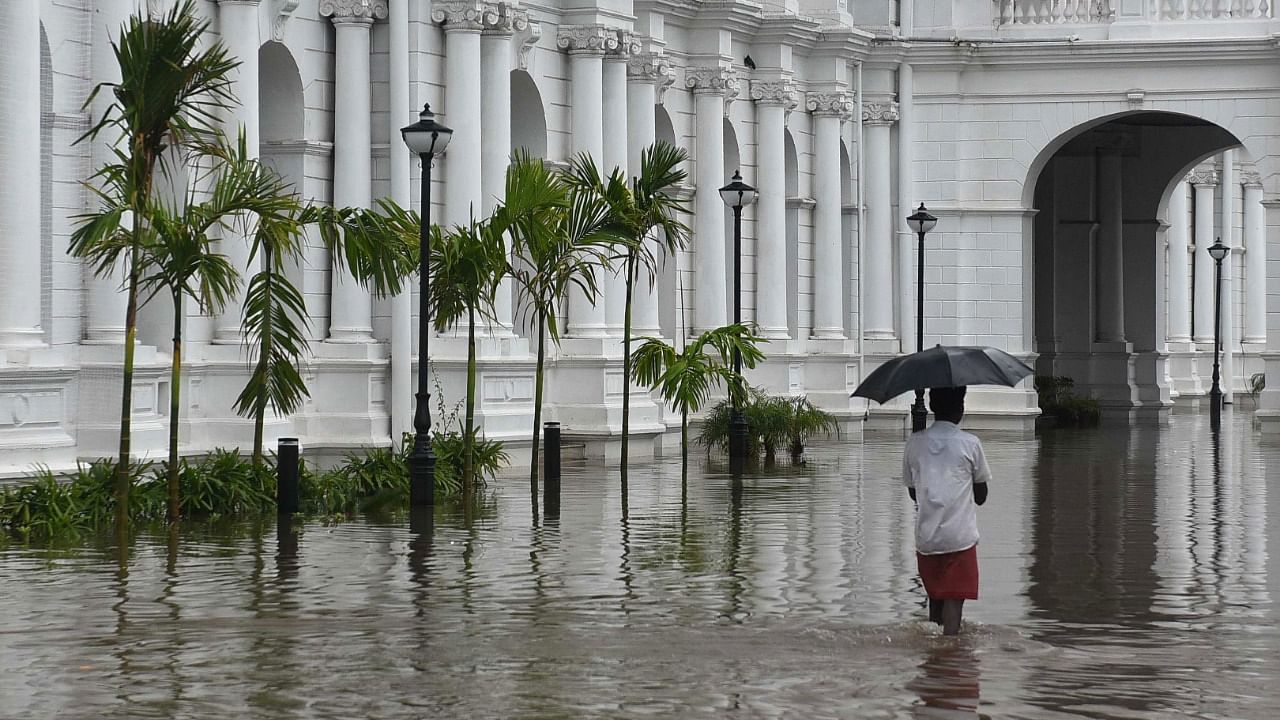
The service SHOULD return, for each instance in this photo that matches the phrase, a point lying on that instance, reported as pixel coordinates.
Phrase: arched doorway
(675, 317)
(528, 117)
(732, 164)
(1100, 194)
(791, 184)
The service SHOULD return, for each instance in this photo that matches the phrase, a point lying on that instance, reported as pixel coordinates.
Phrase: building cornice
(1086, 53)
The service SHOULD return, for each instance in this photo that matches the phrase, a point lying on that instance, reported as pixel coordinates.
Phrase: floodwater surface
(1125, 574)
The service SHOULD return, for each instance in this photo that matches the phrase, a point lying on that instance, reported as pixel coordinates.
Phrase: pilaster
(829, 110)
(710, 86)
(774, 100)
(879, 337)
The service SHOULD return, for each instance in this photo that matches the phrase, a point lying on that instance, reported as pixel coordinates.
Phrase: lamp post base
(422, 475)
(919, 414)
(737, 442)
(1215, 408)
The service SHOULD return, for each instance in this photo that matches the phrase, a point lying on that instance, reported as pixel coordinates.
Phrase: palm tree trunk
(537, 404)
(126, 391)
(626, 366)
(469, 437)
(175, 394)
(684, 447)
(264, 350)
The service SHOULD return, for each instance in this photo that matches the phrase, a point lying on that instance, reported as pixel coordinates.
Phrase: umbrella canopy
(942, 366)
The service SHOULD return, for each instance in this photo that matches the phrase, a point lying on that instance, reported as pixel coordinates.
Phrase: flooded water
(1125, 574)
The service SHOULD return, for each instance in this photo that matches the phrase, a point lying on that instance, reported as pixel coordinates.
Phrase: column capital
(776, 92)
(594, 40)
(345, 11)
(508, 21)
(880, 113)
(1251, 178)
(1203, 176)
(832, 104)
(466, 15)
(629, 44)
(713, 80)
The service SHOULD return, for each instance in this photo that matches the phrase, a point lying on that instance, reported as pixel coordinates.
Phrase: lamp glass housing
(737, 193)
(1218, 251)
(426, 137)
(921, 221)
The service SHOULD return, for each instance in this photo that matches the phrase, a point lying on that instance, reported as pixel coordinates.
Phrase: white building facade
(1081, 156)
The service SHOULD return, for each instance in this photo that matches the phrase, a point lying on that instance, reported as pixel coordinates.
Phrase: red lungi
(950, 576)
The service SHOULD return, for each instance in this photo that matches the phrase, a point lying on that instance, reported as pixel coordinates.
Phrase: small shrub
(1065, 407)
(774, 422)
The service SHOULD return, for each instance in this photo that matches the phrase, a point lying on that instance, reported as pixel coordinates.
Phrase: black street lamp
(737, 195)
(426, 138)
(921, 222)
(1218, 252)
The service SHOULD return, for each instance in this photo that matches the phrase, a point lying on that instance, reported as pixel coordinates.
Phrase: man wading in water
(946, 475)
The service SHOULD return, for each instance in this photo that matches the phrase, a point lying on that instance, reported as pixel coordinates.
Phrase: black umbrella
(942, 366)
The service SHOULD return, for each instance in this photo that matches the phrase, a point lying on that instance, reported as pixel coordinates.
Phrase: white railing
(1054, 12)
(1066, 12)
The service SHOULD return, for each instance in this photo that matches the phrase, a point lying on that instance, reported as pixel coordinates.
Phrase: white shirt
(943, 463)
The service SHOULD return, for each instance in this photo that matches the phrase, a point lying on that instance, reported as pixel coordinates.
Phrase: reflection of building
(1053, 162)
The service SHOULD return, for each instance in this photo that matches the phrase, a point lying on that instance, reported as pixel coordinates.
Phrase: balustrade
(1066, 12)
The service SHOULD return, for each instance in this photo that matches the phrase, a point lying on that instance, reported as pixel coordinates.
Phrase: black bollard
(287, 451)
(551, 466)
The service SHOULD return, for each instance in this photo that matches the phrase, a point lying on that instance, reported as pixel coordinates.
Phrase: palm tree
(170, 95)
(645, 217)
(559, 236)
(467, 264)
(685, 377)
(380, 248)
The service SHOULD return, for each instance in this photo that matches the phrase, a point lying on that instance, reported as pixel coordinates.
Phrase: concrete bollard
(287, 452)
(551, 466)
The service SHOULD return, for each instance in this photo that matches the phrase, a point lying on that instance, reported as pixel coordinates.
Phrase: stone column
(828, 109)
(400, 111)
(1179, 285)
(19, 186)
(645, 72)
(1228, 228)
(1255, 260)
(587, 45)
(106, 304)
(774, 99)
(350, 308)
(877, 119)
(463, 106)
(1203, 182)
(238, 27)
(709, 85)
(1109, 311)
(495, 104)
(615, 155)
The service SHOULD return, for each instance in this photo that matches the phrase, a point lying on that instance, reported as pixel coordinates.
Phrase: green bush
(1065, 407)
(774, 422)
(225, 483)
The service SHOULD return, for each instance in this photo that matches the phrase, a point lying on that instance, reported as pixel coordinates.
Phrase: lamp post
(921, 222)
(426, 138)
(1218, 252)
(737, 195)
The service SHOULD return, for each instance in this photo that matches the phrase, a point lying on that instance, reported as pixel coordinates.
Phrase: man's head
(947, 403)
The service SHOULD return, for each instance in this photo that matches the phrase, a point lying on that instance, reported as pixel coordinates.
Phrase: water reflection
(949, 683)
(1124, 573)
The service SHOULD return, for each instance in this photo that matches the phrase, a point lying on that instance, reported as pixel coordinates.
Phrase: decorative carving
(587, 39)
(880, 113)
(529, 35)
(629, 44)
(349, 10)
(508, 20)
(281, 11)
(648, 67)
(1136, 97)
(714, 79)
(465, 15)
(837, 104)
(776, 92)
(1203, 176)
(1250, 177)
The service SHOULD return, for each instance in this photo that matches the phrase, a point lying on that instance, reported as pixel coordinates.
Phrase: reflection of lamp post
(737, 195)
(921, 222)
(425, 138)
(1218, 252)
